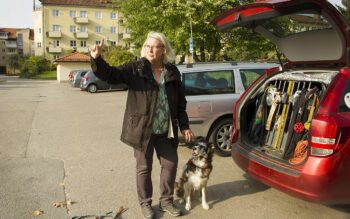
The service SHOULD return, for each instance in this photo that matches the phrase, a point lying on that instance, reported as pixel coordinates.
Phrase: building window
(127, 30)
(72, 28)
(98, 42)
(98, 29)
(56, 28)
(12, 50)
(98, 15)
(73, 43)
(56, 43)
(82, 43)
(20, 41)
(113, 29)
(72, 13)
(3, 50)
(83, 28)
(56, 56)
(113, 43)
(83, 13)
(38, 45)
(113, 15)
(55, 13)
(40, 30)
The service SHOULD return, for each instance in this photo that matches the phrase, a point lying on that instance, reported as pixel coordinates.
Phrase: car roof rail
(190, 65)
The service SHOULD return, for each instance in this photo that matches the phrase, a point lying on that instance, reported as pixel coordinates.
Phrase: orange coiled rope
(300, 152)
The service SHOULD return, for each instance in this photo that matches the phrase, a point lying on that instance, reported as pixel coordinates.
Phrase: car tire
(221, 137)
(92, 88)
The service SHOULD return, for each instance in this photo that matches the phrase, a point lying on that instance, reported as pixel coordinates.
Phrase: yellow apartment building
(64, 26)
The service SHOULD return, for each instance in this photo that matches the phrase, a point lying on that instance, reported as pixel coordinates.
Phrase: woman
(155, 109)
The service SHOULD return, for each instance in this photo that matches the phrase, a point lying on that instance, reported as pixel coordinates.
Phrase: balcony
(81, 20)
(81, 35)
(54, 49)
(4, 35)
(11, 44)
(82, 49)
(54, 34)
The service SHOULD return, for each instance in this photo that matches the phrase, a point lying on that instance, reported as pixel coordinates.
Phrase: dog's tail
(179, 188)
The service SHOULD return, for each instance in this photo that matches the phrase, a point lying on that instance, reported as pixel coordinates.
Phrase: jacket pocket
(135, 128)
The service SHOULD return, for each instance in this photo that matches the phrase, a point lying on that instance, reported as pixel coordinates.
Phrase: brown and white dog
(196, 173)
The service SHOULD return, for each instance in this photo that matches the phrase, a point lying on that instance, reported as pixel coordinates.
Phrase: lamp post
(191, 36)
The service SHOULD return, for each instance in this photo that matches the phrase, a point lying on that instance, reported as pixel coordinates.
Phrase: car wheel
(221, 137)
(92, 88)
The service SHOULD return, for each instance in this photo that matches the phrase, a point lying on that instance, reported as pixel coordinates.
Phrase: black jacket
(142, 98)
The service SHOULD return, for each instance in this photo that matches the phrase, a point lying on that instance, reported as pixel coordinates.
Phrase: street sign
(191, 45)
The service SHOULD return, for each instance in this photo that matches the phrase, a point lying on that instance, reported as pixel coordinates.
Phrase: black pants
(167, 156)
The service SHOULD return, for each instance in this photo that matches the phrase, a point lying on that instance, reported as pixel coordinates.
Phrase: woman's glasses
(148, 47)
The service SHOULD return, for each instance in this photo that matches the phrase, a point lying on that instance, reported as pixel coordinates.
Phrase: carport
(74, 61)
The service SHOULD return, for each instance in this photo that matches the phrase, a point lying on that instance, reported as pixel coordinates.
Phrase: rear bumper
(322, 180)
(83, 86)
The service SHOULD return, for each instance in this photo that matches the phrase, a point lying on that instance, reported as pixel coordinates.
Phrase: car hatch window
(301, 22)
(208, 82)
(249, 75)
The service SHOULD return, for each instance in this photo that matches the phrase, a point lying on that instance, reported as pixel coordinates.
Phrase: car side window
(345, 100)
(249, 75)
(208, 82)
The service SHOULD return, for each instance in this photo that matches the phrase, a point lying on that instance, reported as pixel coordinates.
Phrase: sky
(18, 13)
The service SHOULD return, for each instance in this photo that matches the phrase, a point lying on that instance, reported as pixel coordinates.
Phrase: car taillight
(85, 78)
(323, 135)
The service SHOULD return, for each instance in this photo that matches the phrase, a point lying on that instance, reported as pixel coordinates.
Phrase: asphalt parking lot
(60, 144)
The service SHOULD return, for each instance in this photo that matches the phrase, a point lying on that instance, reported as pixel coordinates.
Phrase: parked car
(210, 89)
(77, 77)
(292, 125)
(93, 84)
(71, 75)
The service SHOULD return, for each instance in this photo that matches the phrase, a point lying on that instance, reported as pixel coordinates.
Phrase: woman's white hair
(169, 54)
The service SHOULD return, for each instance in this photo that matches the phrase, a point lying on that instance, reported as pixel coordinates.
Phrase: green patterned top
(162, 112)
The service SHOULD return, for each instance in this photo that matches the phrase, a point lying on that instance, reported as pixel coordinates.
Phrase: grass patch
(47, 75)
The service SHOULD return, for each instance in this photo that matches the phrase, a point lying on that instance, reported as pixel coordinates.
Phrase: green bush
(34, 65)
(117, 55)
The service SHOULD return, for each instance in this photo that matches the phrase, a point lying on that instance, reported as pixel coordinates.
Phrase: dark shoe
(171, 209)
(147, 212)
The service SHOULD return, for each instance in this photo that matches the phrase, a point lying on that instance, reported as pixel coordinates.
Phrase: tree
(172, 17)
(117, 55)
(345, 9)
(34, 65)
(14, 62)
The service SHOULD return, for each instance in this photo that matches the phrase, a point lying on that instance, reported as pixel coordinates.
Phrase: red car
(292, 125)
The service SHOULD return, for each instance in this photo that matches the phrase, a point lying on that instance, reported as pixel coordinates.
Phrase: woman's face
(154, 50)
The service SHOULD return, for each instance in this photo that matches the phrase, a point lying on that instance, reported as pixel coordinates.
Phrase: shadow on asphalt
(344, 208)
(221, 192)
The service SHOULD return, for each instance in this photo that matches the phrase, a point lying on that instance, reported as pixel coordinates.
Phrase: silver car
(211, 90)
(77, 77)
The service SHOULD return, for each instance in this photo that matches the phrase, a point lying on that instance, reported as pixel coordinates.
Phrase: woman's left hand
(187, 134)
